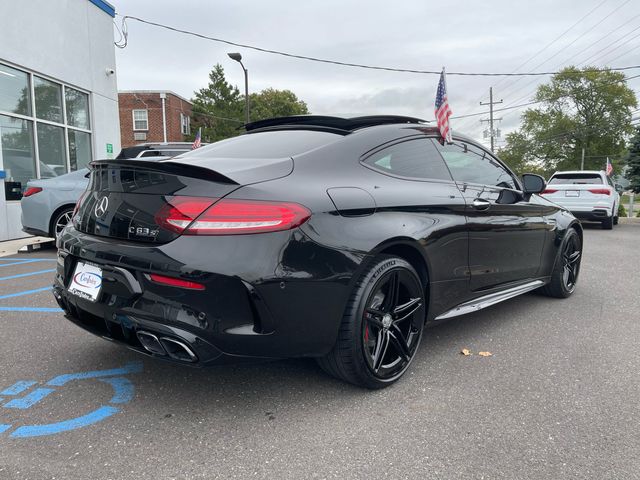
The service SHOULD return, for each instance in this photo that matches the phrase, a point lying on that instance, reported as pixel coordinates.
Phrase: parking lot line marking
(30, 399)
(33, 260)
(135, 367)
(27, 274)
(29, 309)
(4, 427)
(25, 292)
(122, 388)
(52, 428)
(18, 387)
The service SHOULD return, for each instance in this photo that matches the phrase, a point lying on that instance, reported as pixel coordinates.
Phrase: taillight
(600, 191)
(179, 212)
(231, 217)
(175, 282)
(548, 190)
(31, 191)
(77, 207)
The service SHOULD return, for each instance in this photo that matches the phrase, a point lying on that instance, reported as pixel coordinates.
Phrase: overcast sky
(463, 35)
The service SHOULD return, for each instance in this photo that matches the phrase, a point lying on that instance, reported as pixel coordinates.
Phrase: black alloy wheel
(571, 254)
(391, 331)
(382, 326)
(567, 267)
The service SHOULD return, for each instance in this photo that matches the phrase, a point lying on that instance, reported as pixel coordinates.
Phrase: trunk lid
(125, 197)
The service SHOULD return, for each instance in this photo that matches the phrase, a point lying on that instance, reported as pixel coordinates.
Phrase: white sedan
(588, 194)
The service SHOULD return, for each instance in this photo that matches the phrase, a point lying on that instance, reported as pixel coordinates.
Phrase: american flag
(443, 112)
(197, 143)
(609, 170)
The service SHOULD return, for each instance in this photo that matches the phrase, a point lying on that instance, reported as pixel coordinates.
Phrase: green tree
(219, 107)
(633, 162)
(578, 109)
(275, 103)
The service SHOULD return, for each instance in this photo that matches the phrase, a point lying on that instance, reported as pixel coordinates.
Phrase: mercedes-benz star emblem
(101, 207)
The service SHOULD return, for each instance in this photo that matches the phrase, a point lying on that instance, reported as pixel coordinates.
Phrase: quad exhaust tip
(166, 346)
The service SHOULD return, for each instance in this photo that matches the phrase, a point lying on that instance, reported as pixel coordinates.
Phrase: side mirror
(532, 183)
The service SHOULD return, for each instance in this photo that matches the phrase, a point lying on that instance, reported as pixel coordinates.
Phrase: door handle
(481, 204)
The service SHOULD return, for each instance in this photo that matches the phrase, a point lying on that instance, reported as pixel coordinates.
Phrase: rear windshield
(276, 144)
(576, 179)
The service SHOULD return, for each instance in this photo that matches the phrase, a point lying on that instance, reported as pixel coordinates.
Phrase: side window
(416, 159)
(475, 166)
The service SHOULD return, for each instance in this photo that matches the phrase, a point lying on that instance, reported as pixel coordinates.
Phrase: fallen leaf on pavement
(485, 354)
(466, 352)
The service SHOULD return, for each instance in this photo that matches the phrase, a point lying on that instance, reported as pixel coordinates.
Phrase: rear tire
(607, 223)
(381, 327)
(60, 220)
(567, 267)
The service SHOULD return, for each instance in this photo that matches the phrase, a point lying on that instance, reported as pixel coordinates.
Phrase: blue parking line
(134, 367)
(4, 427)
(20, 262)
(30, 399)
(51, 428)
(39, 272)
(122, 388)
(18, 387)
(29, 309)
(25, 292)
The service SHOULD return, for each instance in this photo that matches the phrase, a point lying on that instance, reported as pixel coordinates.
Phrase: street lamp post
(238, 58)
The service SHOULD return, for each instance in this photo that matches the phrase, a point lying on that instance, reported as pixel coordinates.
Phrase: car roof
(343, 125)
(576, 172)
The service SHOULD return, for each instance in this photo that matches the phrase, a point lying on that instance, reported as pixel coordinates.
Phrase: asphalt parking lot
(557, 399)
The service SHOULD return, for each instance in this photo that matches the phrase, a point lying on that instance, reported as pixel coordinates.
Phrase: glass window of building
(140, 120)
(53, 158)
(77, 108)
(18, 159)
(48, 100)
(42, 113)
(15, 96)
(79, 149)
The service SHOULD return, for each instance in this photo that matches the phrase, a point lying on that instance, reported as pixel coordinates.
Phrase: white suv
(588, 194)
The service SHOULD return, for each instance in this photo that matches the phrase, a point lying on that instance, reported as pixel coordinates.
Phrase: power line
(547, 45)
(573, 41)
(344, 64)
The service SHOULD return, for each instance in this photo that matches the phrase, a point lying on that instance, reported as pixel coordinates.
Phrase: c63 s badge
(143, 232)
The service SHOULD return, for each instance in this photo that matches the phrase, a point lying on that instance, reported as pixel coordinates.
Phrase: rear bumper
(263, 298)
(595, 215)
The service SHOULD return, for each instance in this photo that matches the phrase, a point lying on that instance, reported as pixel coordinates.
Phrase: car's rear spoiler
(182, 169)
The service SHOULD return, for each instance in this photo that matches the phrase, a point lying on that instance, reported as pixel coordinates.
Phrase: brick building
(153, 116)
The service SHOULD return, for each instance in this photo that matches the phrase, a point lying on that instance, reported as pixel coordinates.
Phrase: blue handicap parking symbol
(22, 395)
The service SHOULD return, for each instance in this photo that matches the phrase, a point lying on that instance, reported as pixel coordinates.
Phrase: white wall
(70, 41)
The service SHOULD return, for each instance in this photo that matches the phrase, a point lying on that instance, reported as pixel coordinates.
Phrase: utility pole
(492, 132)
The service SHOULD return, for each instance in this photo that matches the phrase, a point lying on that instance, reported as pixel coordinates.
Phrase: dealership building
(58, 94)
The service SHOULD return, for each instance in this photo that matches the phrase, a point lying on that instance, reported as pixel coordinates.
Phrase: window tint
(475, 166)
(276, 144)
(413, 159)
(576, 179)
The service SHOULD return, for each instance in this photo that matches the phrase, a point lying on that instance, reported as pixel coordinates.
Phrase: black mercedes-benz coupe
(334, 238)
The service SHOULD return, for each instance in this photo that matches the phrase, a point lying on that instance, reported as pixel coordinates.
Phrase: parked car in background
(310, 236)
(589, 194)
(47, 204)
